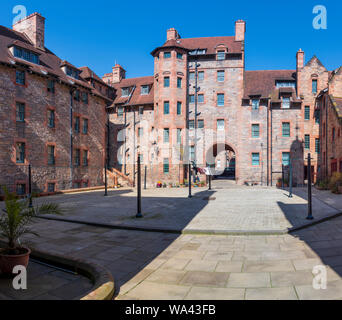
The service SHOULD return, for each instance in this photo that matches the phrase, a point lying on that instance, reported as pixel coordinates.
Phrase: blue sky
(98, 33)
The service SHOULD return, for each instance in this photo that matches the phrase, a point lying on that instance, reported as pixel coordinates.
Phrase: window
(314, 85)
(77, 124)
(20, 111)
(285, 84)
(20, 77)
(286, 102)
(71, 72)
(85, 126)
(333, 134)
(51, 118)
(85, 97)
(166, 135)
(77, 95)
(201, 75)
(21, 189)
(51, 187)
(255, 104)
(179, 108)
(20, 152)
(220, 76)
(77, 157)
(191, 75)
(179, 82)
(120, 111)
(166, 82)
(220, 124)
(317, 145)
(141, 110)
(140, 132)
(179, 55)
(191, 124)
(220, 99)
(51, 155)
(144, 90)
(221, 55)
(166, 107)
(85, 158)
(179, 136)
(26, 55)
(167, 55)
(255, 159)
(307, 141)
(85, 184)
(317, 116)
(51, 86)
(201, 98)
(285, 158)
(192, 153)
(166, 166)
(286, 129)
(255, 130)
(191, 98)
(200, 124)
(124, 92)
(307, 113)
(141, 158)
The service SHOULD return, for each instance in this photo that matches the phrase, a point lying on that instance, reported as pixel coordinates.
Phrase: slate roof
(136, 98)
(49, 63)
(209, 43)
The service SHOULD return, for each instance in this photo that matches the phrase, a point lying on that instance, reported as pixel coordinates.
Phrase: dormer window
(221, 55)
(285, 84)
(286, 102)
(197, 52)
(144, 90)
(71, 72)
(26, 55)
(125, 92)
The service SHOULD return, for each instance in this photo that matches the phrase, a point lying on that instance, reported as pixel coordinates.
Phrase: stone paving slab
(237, 209)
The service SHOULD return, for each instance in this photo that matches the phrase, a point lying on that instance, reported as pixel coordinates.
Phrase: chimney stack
(300, 59)
(172, 34)
(34, 28)
(240, 29)
(118, 74)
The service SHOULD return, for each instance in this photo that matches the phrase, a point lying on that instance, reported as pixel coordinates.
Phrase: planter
(8, 262)
(340, 189)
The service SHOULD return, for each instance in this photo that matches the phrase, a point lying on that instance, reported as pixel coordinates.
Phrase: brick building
(252, 121)
(52, 114)
(329, 104)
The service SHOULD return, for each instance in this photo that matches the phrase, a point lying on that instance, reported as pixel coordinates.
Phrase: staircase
(118, 178)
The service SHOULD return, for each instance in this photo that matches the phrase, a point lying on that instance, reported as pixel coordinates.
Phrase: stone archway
(221, 157)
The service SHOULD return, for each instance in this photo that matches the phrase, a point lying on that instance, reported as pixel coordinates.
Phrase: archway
(221, 158)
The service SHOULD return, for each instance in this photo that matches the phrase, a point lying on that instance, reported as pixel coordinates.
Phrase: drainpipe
(271, 145)
(71, 136)
(268, 133)
(326, 137)
(108, 144)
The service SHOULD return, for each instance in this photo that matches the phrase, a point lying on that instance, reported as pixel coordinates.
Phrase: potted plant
(15, 219)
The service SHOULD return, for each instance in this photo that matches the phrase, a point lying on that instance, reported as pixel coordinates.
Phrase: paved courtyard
(152, 265)
(230, 209)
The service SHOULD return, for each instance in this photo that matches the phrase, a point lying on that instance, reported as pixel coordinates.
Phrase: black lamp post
(139, 215)
(310, 216)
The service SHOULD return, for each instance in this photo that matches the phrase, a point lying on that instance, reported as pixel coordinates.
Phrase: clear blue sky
(98, 33)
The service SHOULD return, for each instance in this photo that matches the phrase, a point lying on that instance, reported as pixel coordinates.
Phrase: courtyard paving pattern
(232, 209)
(152, 265)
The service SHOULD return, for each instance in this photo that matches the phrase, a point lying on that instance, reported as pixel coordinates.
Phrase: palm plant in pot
(15, 219)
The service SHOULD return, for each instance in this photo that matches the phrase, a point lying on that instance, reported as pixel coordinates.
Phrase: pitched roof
(209, 43)
(87, 73)
(263, 82)
(49, 63)
(136, 97)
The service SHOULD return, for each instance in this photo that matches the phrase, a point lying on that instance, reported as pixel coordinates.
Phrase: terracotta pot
(8, 262)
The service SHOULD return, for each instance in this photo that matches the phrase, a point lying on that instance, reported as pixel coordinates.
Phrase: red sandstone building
(52, 115)
(252, 121)
(199, 105)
